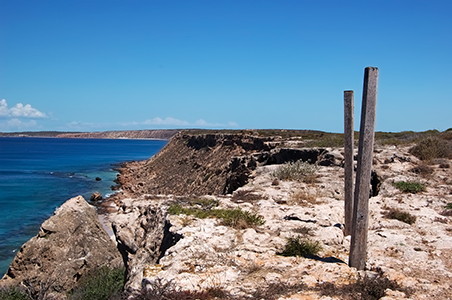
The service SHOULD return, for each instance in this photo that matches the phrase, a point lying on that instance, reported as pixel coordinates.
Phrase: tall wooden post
(358, 248)
(348, 167)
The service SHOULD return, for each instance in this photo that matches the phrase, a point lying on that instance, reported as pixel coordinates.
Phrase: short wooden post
(358, 248)
(348, 166)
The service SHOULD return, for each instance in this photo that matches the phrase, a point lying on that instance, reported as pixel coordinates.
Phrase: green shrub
(409, 186)
(431, 148)
(447, 210)
(294, 170)
(296, 246)
(236, 218)
(13, 293)
(101, 284)
(394, 213)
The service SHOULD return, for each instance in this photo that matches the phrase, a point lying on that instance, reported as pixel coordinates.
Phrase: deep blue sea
(39, 174)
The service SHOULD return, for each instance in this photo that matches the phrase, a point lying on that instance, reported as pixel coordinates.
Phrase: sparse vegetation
(206, 203)
(298, 246)
(303, 230)
(409, 186)
(365, 288)
(447, 210)
(247, 195)
(159, 290)
(298, 170)
(304, 198)
(13, 293)
(102, 284)
(394, 213)
(235, 218)
(422, 169)
(275, 290)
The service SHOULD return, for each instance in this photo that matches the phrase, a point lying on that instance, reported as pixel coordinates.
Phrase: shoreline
(84, 138)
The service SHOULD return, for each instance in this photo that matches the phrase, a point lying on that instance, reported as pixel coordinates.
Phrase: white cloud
(20, 111)
(16, 124)
(173, 122)
(169, 121)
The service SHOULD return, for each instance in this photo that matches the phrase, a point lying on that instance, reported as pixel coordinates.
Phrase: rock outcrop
(243, 261)
(69, 244)
(210, 164)
(195, 164)
(143, 236)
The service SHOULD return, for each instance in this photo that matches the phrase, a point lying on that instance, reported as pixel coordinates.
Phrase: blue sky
(113, 65)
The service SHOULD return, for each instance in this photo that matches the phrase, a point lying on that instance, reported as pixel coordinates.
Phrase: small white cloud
(169, 121)
(16, 124)
(20, 111)
(4, 111)
(173, 122)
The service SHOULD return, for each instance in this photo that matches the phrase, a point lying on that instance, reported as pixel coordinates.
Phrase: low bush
(236, 218)
(368, 288)
(295, 171)
(102, 284)
(409, 186)
(423, 170)
(431, 148)
(297, 246)
(394, 213)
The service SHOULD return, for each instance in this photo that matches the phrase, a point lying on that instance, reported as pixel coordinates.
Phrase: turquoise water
(39, 174)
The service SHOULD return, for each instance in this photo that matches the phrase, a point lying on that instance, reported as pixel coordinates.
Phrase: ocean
(39, 174)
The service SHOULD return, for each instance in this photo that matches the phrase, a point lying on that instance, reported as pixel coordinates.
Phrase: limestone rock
(69, 244)
(143, 236)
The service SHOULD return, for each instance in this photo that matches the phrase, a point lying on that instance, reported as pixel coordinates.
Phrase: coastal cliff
(209, 164)
(163, 134)
(211, 217)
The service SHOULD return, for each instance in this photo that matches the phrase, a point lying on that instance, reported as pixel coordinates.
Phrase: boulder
(96, 196)
(69, 244)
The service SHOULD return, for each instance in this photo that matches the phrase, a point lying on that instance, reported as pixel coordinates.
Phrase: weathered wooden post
(348, 166)
(358, 248)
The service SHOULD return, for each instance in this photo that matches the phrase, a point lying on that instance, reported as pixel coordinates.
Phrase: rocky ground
(244, 261)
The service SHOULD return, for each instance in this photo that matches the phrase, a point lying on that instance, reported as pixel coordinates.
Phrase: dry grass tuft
(305, 198)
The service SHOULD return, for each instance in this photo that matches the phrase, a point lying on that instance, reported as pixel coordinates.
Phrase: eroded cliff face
(196, 165)
(209, 164)
(69, 244)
